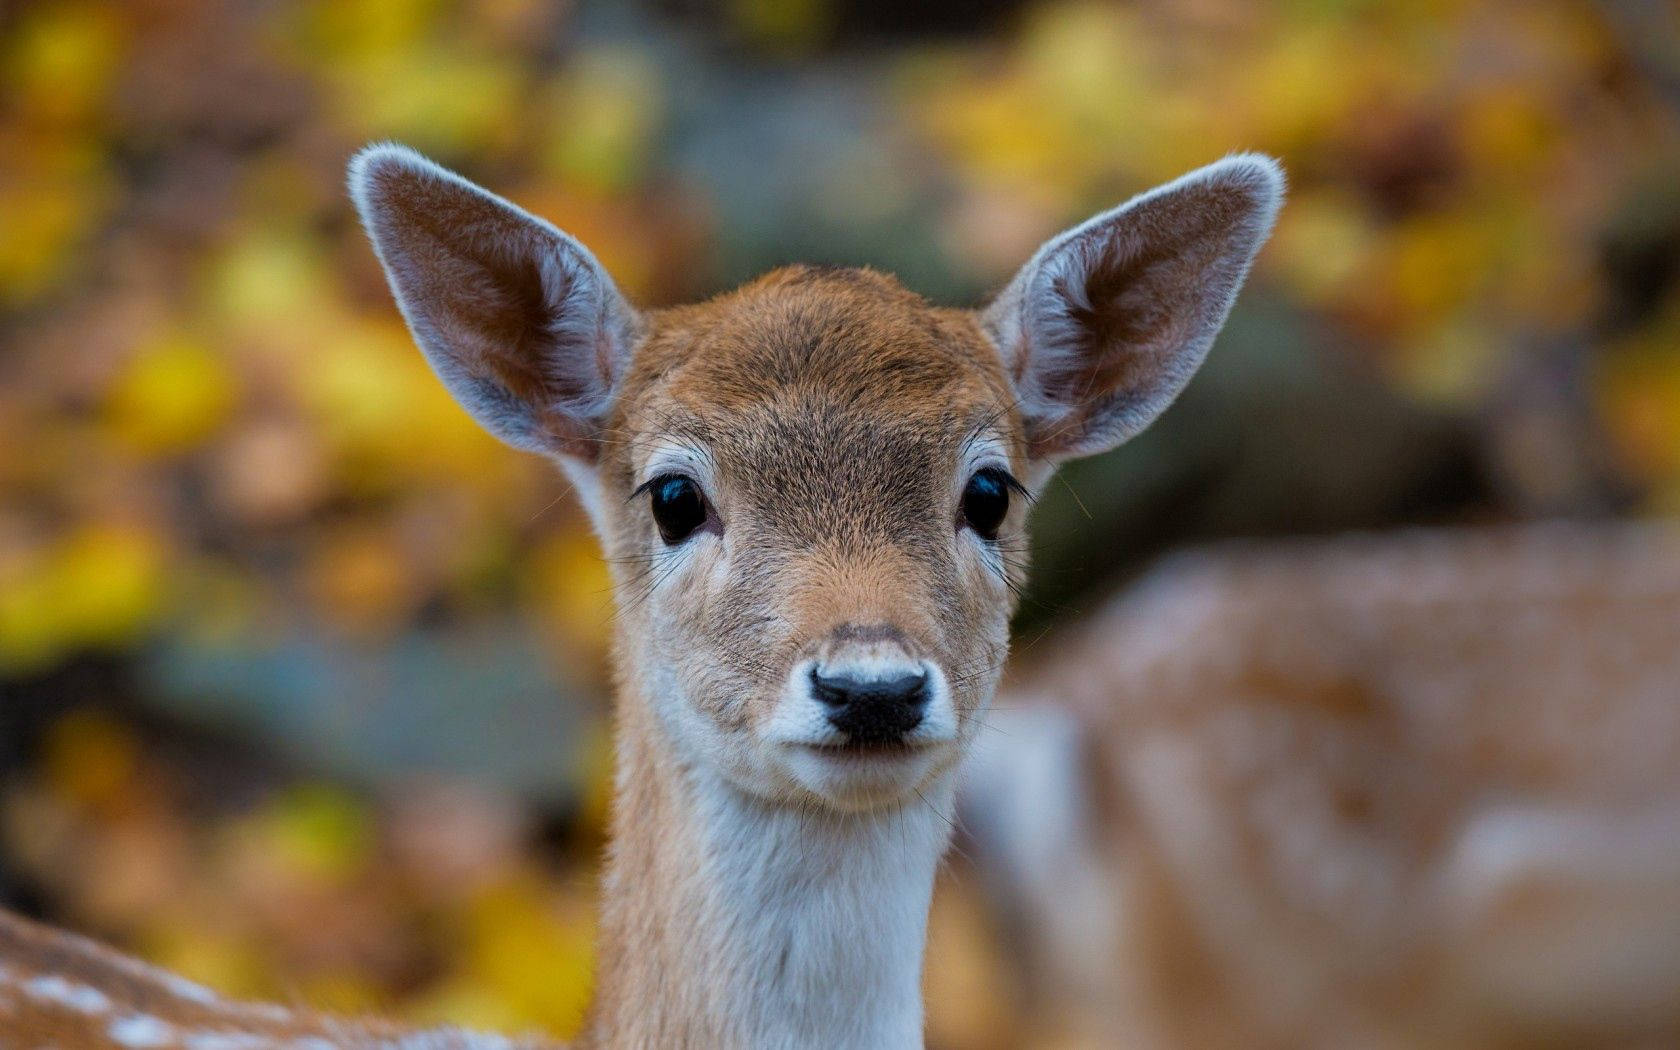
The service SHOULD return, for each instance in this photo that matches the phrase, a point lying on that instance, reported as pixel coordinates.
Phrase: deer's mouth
(867, 749)
(855, 775)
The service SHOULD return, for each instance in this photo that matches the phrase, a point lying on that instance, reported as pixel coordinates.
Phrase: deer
(812, 492)
(1406, 789)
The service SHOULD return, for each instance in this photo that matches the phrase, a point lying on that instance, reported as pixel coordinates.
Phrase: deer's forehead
(831, 365)
(835, 463)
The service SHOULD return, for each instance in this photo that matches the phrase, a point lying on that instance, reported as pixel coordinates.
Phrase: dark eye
(985, 501)
(678, 507)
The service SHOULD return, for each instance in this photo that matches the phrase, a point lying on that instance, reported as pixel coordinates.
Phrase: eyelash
(1009, 479)
(657, 479)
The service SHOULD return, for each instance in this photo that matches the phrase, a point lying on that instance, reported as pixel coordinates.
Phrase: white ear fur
(518, 319)
(1108, 321)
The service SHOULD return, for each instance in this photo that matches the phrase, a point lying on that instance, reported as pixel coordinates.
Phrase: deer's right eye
(678, 507)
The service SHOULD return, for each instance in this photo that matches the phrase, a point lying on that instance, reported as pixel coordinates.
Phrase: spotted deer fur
(63, 991)
(770, 869)
(1410, 790)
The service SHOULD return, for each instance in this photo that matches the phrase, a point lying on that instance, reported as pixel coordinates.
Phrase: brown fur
(836, 404)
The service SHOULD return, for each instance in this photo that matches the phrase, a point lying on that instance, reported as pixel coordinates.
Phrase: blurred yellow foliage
(314, 833)
(602, 113)
(572, 589)
(173, 395)
(100, 585)
(787, 27)
(52, 199)
(435, 98)
(111, 582)
(338, 33)
(1432, 264)
(346, 991)
(60, 60)
(385, 418)
(217, 959)
(1323, 248)
(90, 758)
(533, 961)
(270, 283)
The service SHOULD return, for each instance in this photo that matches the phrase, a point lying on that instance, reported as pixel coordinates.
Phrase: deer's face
(813, 497)
(812, 490)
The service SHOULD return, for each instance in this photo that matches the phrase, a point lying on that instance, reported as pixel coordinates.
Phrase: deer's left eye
(985, 501)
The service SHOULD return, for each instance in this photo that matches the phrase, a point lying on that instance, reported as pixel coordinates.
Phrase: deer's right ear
(519, 321)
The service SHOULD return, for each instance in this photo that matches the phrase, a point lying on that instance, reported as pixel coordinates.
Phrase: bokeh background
(302, 676)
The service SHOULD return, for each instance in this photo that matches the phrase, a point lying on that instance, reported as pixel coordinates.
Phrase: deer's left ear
(1105, 325)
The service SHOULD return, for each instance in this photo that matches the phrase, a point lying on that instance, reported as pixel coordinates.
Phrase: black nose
(872, 710)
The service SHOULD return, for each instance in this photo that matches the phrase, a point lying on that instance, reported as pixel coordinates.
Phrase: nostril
(872, 710)
(843, 689)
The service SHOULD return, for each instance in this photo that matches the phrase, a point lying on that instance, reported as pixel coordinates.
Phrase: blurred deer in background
(811, 492)
(1404, 791)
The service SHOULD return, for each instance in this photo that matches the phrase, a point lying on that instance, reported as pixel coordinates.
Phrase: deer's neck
(731, 922)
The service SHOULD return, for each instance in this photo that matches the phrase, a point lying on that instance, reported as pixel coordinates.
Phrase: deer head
(813, 489)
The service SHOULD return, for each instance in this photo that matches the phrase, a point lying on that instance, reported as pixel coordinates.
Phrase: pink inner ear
(471, 274)
(1118, 314)
(517, 319)
(1117, 323)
